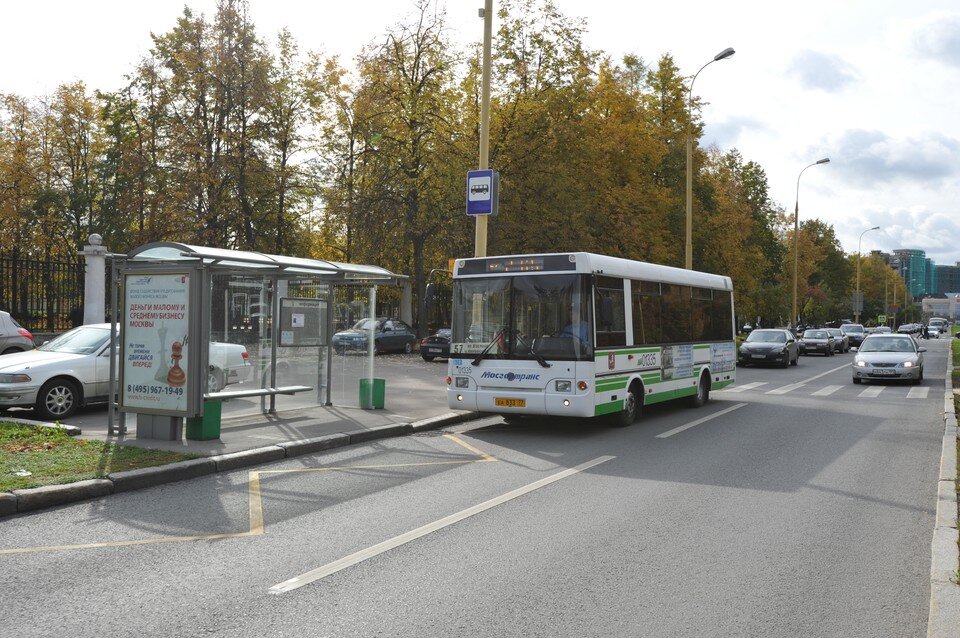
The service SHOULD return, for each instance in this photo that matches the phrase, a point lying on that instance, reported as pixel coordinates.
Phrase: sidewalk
(241, 433)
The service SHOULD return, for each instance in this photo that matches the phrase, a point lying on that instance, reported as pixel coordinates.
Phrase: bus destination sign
(515, 264)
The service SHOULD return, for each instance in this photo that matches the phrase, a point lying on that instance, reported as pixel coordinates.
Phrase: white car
(888, 357)
(74, 370)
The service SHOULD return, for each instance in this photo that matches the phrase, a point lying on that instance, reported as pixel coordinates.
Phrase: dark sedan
(816, 340)
(436, 345)
(855, 333)
(389, 335)
(773, 345)
(840, 341)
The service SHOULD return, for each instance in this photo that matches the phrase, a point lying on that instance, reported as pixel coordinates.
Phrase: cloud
(823, 71)
(726, 133)
(918, 228)
(939, 40)
(871, 158)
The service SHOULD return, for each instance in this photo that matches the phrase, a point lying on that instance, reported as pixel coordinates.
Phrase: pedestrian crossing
(867, 392)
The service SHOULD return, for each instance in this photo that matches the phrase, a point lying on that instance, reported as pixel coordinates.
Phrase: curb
(71, 430)
(944, 617)
(34, 498)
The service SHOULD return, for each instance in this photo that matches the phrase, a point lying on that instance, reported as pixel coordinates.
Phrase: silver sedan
(888, 356)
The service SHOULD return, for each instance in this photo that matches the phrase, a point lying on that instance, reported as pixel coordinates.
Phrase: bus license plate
(510, 403)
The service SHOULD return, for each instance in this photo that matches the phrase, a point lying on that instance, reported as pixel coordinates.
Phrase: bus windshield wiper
(486, 349)
(536, 355)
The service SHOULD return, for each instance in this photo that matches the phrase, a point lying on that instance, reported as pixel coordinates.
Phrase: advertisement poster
(156, 343)
(723, 357)
(677, 362)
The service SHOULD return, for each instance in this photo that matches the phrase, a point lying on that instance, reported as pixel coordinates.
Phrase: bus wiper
(486, 349)
(536, 355)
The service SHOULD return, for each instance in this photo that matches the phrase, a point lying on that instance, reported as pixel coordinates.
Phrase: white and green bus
(582, 335)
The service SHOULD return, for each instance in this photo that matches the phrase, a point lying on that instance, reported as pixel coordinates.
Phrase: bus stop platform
(248, 432)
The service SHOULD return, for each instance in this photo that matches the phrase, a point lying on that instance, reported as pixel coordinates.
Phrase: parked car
(817, 340)
(769, 345)
(892, 356)
(388, 335)
(854, 332)
(436, 345)
(73, 370)
(840, 341)
(13, 336)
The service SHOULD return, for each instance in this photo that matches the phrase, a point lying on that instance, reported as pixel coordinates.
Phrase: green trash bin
(372, 400)
(206, 427)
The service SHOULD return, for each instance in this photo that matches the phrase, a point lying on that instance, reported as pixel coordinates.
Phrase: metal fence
(44, 295)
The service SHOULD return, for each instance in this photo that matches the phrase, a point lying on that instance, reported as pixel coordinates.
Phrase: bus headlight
(463, 382)
(563, 385)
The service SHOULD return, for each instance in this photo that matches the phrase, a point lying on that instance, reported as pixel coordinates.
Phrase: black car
(769, 345)
(817, 340)
(855, 333)
(436, 345)
(388, 335)
(840, 340)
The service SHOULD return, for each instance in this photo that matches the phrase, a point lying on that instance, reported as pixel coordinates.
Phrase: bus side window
(610, 313)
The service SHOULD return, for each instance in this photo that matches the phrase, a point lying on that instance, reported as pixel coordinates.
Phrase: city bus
(586, 335)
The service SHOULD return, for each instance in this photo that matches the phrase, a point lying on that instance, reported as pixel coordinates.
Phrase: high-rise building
(930, 285)
(912, 266)
(948, 279)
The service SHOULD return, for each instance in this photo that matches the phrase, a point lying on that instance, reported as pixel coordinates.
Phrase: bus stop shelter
(202, 325)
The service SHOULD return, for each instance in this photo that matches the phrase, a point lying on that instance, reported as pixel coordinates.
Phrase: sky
(873, 85)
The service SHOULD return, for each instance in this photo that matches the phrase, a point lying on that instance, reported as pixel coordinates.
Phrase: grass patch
(34, 456)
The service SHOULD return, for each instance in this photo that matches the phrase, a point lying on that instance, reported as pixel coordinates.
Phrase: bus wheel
(703, 392)
(631, 407)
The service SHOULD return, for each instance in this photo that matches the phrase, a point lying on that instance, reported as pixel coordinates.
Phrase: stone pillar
(94, 282)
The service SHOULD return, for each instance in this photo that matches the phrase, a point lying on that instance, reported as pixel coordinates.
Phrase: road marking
(918, 393)
(358, 557)
(827, 391)
(800, 384)
(255, 505)
(787, 388)
(873, 391)
(680, 429)
(745, 387)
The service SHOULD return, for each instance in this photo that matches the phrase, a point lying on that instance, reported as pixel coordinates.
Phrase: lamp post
(480, 229)
(688, 250)
(858, 302)
(796, 235)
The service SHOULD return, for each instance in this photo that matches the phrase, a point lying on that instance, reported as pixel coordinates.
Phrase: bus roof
(588, 263)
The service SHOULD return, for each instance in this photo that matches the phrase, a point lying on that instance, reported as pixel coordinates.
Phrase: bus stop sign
(483, 192)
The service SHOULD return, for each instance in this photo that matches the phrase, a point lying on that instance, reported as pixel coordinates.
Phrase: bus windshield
(523, 317)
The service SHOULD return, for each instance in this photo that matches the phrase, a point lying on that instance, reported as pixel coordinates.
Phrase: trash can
(206, 427)
(372, 398)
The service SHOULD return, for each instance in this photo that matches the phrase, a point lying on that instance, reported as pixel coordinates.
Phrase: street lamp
(796, 235)
(858, 304)
(688, 251)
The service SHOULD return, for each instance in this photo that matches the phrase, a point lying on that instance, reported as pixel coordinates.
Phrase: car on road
(13, 336)
(933, 332)
(389, 335)
(817, 340)
(769, 345)
(854, 332)
(892, 356)
(841, 342)
(73, 370)
(436, 345)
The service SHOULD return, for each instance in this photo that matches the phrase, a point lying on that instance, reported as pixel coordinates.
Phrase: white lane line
(745, 387)
(800, 384)
(827, 391)
(918, 393)
(680, 429)
(871, 392)
(358, 557)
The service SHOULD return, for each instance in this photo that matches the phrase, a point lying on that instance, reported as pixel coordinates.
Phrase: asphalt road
(801, 508)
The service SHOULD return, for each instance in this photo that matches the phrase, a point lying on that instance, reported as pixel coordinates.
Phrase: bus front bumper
(512, 401)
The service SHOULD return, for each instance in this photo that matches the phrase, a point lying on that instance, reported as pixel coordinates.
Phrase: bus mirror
(428, 297)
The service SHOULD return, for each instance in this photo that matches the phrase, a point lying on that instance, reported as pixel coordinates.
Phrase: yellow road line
(459, 441)
(255, 505)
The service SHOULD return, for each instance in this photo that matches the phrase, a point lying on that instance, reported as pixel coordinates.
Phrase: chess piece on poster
(176, 377)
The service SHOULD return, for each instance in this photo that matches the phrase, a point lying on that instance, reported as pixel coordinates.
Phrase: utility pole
(480, 233)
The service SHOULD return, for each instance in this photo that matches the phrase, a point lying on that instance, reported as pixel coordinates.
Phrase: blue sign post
(483, 192)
